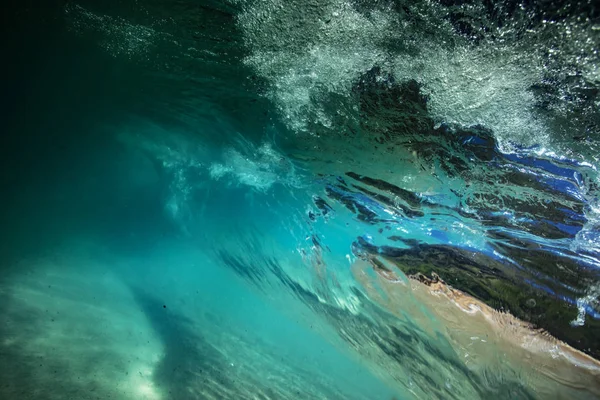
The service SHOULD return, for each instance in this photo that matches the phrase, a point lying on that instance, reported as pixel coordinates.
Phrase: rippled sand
(72, 326)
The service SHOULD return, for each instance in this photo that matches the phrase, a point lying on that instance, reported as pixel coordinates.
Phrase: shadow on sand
(190, 368)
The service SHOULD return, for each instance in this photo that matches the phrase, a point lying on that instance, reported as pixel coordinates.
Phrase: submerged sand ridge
(485, 339)
(73, 332)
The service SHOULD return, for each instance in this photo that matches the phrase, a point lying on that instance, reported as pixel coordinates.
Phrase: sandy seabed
(485, 338)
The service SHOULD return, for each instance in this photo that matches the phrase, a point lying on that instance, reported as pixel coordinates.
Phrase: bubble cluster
(529, 79)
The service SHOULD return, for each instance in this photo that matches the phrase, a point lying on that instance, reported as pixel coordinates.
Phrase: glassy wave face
(333, 199)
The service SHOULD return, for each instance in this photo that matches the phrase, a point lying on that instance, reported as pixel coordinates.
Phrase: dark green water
(230, 200)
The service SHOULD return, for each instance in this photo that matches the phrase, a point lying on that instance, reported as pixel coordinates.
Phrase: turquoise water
(255, 199)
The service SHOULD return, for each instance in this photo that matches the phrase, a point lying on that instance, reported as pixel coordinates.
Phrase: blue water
(257, 199)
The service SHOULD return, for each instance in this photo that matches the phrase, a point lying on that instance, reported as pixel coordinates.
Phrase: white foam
(306, 61)
(308, 51)
(259, 168)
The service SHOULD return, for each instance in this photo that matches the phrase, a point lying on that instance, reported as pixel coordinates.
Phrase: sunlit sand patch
(71, 328)
(485, 338)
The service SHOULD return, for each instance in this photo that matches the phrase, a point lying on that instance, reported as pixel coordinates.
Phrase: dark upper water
(226, 199)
